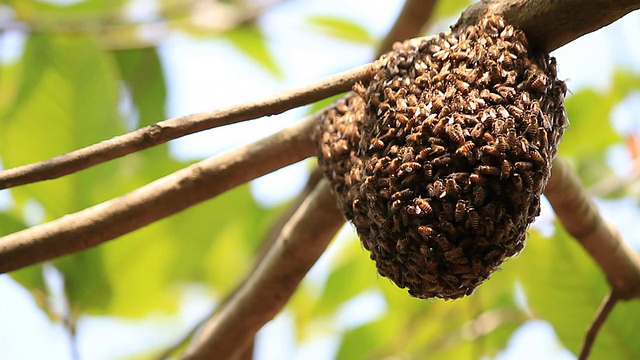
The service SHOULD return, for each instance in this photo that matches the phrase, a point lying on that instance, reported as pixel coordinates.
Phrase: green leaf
(67, 98)
(340, 28)
(446, 9)
(567, 288)
(590, 131)
(142, 72)
(83, 14)
(250, 41)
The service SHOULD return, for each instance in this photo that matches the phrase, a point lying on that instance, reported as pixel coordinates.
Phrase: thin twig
(157, 200)
(602, 314)
(267, 243)
(164, 131)
(262, 295)
(581, 218)
(412, 19)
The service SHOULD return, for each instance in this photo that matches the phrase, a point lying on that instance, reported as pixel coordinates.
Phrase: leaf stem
(601, 316)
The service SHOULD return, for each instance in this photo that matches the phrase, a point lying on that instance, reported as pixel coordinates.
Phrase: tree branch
(262, 295)
(601, 316)
(410, 22)
(159, 199)
(267, 243)
(550, 24)
(580, 216)
(164, 131)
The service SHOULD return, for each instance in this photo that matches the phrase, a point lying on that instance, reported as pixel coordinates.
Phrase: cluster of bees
(441, 159)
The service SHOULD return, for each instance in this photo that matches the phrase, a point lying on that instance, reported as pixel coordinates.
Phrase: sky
(202, 75)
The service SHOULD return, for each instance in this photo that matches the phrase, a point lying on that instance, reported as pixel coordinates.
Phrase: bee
(462, 86)
(490, 150)
(503, 112)
(536, 157)
(493, 256)
(410, 180)
(479, 195)
(542, 138)
(402, 194)
(465, 148)
(495, 98)
(477, 179)
(515, 111)
(488, 138)
(448, 210)
(454, 254)
(485, 78)
(473, 218)
(430, 278)
(413, 138)
(383, 245)
(505, 169)
(532, 129)
(412, 100)
(476, 266)
(538, 82)
(409, 168)
(512, 138)
(527, 179)
(426, 231)
(523, 166)
(376, 144)
(477, 131)
(441, 161)
(427, 171)
(517, 182)
(495, 73)
(455, 133)
(506, 92)
(443, 243)
(488, 170)
(423, 205)
(440, 127)
(452, 188)
(489, 228)
(402, 245)
(502, 145)
(460, 211)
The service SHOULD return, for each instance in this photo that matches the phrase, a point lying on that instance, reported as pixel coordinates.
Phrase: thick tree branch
(601, 316)
(267, 243)
(262, 295)
(164, 131)
(410, 22)
(580, 216)
(159, 199)
(549, 24)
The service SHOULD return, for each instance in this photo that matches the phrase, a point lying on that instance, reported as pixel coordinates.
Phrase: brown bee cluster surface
(441, 160)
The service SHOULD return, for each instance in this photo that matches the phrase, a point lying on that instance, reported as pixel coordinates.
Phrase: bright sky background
(203, 75)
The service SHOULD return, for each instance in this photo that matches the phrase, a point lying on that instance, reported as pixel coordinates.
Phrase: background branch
(580, 216)
(161, 198)
(164, 131)
(412, 19)
(267, 243)
(262, 295)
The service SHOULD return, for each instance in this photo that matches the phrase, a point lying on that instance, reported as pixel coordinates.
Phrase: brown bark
(170, 129)
(157, 200)
(549, 24)
(579, 215)
(267, 290)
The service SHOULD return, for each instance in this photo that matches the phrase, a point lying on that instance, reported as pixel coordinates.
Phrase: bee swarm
(441, 160)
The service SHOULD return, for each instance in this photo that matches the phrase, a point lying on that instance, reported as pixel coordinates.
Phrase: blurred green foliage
(65, 92)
